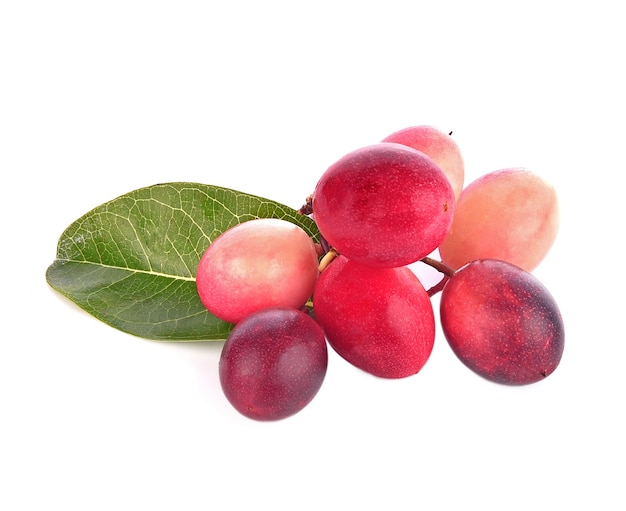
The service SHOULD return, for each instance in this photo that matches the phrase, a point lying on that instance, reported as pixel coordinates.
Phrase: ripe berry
(510, 214)
(384, 205)
(379, 319)
(273, 363)
(502, 322)
(257, 264)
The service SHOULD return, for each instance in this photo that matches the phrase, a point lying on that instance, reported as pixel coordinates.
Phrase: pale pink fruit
(257, 264)
(510, 214)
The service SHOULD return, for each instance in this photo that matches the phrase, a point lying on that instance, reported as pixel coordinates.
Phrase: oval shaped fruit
(273, 363)
(439, 146)
(384, 205)
(261, 263)
(510, 214)
(502, 322)
(379, 319)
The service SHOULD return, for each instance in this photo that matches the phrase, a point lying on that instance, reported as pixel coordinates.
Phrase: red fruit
(502, 322)
(273, 363)
(379, 319)
(384, 205)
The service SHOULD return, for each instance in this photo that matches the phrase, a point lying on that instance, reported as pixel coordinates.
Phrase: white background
(100, 98)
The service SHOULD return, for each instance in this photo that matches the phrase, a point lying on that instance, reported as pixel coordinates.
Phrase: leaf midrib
(133, 270)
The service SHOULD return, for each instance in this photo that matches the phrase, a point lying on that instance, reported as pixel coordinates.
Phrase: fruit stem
(327, 259)
(440, 266)
(438, 286)
(324, 244)
(307, 207)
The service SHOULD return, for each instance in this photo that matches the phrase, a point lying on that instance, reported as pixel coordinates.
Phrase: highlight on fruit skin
(502, 322)
(510, 214)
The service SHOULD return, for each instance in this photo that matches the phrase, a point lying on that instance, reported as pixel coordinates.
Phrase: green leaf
(131, 262)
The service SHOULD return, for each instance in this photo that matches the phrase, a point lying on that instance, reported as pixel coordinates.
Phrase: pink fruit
(257, 264)
(510, 214)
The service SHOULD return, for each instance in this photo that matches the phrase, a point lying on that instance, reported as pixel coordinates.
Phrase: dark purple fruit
(502, 322)
(273, 363)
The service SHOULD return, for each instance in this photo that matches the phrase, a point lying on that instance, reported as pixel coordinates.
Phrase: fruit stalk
(441, 267)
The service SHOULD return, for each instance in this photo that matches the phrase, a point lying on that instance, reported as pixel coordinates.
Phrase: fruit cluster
(380, 209)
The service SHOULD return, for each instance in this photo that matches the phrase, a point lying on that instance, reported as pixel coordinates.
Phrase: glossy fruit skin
(260, 263)
(273, 363)
(379, 319)
(510, 214)
(438, 145)
(502, 322)
(384, 205)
